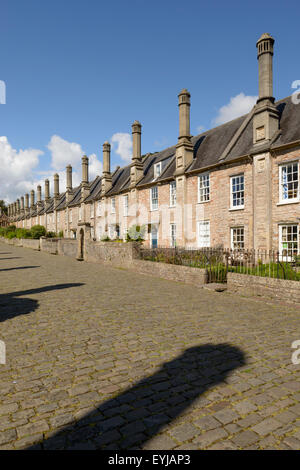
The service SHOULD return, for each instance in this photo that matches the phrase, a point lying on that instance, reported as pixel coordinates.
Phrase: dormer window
(157, 170)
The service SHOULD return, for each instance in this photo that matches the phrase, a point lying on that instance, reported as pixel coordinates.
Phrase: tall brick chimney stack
(266, 118)
(39, 197)
(56, 189)
(106, 173)
(69, 178)
(136, 140)
(136, 170)
(26, 204)
(265, 51)
(22, 205)
(184, 104)
(18, 206)
(32, 198)
(184, 147)
(47, 194)
(69, 183)
(39, 194)
(85, 178)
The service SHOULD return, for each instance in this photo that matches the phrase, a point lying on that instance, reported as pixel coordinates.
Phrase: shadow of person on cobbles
(13, 305)
(19, 267)
(136, 415)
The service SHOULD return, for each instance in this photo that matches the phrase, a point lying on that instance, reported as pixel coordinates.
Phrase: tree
(3, 207)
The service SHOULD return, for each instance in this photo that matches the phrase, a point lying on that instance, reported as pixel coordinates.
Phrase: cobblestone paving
(105, 358)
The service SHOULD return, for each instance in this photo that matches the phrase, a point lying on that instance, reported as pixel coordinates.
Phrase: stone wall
(67, 247)
(112, 253)
(172, 272)
(278, 289)
(25, 242)
(59, 246)
(30, 243)
(49, 245)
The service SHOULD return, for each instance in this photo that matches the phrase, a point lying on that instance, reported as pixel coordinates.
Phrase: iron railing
(219, 261)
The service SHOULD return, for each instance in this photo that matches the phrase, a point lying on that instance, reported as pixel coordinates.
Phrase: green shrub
(61, 234)
(11, 235)
(136, 233)
(38, 231)
(11, 228)
(23, 233)
(51, 235)
(105, 238)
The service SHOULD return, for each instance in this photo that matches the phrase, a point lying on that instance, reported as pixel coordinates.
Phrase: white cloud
(124, 145)
(237, 106)
(17, 169)
(65, 153)
(200, 129)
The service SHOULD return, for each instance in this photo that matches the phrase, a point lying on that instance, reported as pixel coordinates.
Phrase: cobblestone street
(102, 358)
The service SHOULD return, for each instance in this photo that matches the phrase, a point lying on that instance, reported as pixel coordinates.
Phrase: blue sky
(79, 72)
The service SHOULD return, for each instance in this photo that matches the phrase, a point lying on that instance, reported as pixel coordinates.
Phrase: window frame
(125, 205)
(98, 210)
(173, 238)
(157, 165)
(204, 188)
(203, 223)
(173, 194)
(238, 227)
(113, 205)
(152, 207)
(288, 257)
(288, 200)
(239, 206)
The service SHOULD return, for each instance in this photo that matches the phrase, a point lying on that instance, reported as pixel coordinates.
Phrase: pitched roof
(209, 146)
(95, 189)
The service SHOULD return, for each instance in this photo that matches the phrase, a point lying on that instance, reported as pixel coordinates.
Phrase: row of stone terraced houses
(236, 185)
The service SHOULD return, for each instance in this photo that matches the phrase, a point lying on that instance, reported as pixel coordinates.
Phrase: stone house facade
(235, 186)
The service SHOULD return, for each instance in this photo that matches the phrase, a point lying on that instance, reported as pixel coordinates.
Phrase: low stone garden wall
(279, 289)
(172, 272)
(25, 242)
(67, 247)
(111, 253)
(49, 245)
